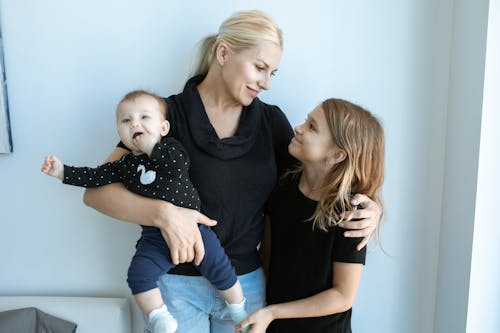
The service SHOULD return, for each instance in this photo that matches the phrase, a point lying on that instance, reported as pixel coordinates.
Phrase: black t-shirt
(234, 176)
(302, 259)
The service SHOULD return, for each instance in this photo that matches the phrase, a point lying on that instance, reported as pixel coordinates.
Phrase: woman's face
(246, 73)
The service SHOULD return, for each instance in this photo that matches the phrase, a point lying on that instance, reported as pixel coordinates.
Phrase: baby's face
(141, 116)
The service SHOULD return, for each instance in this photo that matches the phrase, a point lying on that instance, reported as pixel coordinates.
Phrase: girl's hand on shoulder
(363, 221)
(257, 322)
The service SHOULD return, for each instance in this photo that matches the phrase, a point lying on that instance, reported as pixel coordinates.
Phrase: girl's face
(246, 73)
(141, 116)
(313, 142)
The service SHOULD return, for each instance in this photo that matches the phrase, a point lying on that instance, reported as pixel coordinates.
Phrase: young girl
(314, 270)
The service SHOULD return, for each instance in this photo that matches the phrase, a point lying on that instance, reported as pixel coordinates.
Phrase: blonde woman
(237, 146)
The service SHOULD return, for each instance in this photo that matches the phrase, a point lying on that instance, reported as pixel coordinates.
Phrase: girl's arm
(178, 225)
(337, 299)
(362, 222)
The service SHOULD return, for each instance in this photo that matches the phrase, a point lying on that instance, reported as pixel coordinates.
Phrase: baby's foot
(238, 313)
(161, 321)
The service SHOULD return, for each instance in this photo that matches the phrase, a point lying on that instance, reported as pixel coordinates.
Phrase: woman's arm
(337, 299)
(178, 225)
(265, 245)
(362, 222)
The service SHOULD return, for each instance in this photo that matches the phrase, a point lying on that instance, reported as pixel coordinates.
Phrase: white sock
(237, 311)
(161, 321)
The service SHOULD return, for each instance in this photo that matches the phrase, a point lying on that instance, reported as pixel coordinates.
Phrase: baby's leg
(234, 294)
(149, 301)
(217, 268)
(159, 319)
(235, 302)
(149, 262)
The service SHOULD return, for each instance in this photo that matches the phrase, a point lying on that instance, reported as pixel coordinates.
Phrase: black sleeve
(92, 177)
(170, 153)
(282, 135)
(344, 248)
(121, 145)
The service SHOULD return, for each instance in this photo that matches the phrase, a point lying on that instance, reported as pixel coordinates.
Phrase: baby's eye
(125, 120)
(145, 116)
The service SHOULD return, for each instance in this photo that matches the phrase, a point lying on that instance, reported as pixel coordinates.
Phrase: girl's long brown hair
(360, 135)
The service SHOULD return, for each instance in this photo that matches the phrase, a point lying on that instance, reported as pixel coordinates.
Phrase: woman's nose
(265, 82)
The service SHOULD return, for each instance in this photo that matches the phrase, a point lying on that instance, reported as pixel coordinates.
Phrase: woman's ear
(222, 52)
(165, 127)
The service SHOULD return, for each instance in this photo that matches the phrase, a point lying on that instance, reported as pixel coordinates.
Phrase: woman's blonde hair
(359, 134)
(241, 31)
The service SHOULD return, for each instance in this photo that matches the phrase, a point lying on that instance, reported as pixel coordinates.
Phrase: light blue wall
(69, 62)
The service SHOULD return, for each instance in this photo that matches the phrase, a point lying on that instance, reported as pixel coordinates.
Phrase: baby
(156, 167)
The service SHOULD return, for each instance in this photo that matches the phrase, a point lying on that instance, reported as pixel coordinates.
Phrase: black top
(234, 176)
(302, 259)
(163, 176)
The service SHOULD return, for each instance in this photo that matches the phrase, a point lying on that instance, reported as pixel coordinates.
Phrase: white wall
(484, 291)
(69, 62)
(461, 168)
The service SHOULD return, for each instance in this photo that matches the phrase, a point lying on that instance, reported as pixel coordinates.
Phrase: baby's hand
(53, 167)
(145, 142)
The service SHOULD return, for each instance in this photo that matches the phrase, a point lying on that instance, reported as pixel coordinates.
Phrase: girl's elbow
(349, 301)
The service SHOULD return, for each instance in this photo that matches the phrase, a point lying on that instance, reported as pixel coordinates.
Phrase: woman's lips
(253, 92)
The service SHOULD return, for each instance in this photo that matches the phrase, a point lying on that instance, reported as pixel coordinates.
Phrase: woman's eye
(259, 68)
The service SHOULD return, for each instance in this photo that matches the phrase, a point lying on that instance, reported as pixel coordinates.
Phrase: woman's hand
(258, 321)
(362, 222)
(179, 228)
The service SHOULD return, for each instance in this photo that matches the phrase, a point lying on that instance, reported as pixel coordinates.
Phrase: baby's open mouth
(136, 135)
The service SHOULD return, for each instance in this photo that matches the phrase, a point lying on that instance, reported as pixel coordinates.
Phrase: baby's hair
(241, 31)
(359, 134)
(131, 96)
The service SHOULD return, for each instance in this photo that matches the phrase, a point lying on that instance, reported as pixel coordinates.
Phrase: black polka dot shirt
(163, 176)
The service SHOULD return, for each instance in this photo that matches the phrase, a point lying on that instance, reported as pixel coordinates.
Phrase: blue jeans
(198, 306)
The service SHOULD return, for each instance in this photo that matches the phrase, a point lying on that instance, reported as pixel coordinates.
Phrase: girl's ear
(222, 52)
(336, 156)
(165, 127)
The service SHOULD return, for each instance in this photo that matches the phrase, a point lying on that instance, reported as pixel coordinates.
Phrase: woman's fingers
(361, 222)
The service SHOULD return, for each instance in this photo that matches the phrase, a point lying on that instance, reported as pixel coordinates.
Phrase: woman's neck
(215, 96)
(222, 110)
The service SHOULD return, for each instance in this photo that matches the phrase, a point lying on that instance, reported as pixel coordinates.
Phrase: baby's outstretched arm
(53, 166)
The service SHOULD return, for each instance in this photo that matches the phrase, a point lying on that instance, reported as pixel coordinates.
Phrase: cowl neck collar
(204, 134)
